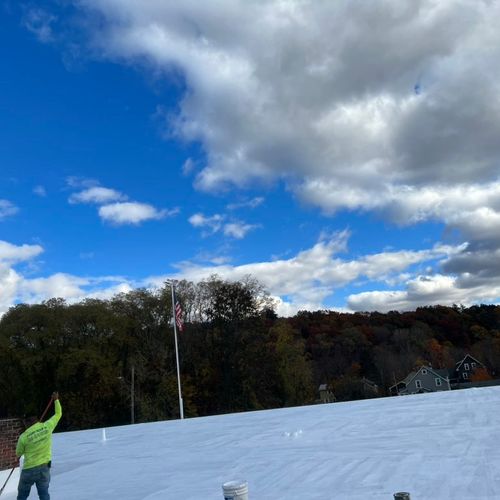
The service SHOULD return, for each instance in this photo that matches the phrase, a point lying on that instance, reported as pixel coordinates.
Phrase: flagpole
(181, 408)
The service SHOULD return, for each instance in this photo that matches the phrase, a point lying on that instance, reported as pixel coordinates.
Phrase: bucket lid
(235, 485)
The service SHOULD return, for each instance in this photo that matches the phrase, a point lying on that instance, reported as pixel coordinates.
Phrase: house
(425, 379)
(369, 387)
(465, 369)
(325, 394)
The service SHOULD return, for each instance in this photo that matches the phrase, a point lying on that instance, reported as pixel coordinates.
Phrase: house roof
(467, 356)
(369, 382)
(409, 378)
(443, 372)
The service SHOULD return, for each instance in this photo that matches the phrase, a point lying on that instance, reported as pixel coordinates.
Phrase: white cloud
(78, 182)
(40, 191)
(389, 106)
(282, 95)
(302, 282)
(216, 223)
(57, 285)
(305, 280)
(252, 203)
(119, 213)
(213, 222)
(7, 209)
(61, 285)
(188, 166)
(40, 22)
(11, 254)
(98, 195)
(424, 291)
(238, 230)
(131, 213)
(9, 284)
(337, 117)
(16, 287)
(110, 291)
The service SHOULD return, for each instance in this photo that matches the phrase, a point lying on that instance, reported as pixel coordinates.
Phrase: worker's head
(29, 421)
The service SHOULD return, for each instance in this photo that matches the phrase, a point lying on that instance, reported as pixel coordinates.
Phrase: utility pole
(181, 404)
(132, 400)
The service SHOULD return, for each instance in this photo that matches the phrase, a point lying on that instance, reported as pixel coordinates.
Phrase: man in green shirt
(35, 443)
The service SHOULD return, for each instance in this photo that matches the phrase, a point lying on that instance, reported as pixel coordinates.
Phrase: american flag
(178, 315)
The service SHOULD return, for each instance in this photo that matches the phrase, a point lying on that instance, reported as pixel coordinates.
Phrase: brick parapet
(10, 429)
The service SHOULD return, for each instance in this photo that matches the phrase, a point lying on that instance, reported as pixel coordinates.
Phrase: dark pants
(37, 475)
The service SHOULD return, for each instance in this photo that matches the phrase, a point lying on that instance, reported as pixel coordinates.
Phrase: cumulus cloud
(120, 212)
(70, 287)
(305, 280)
(57, 285)
(238, 230)
(360, 106)
(9, 283)
(282, 95)
(16, 287)
(98, 195)
(383, 106)
(424, 291)
(215, 223)
(7, 209)
(11, 254)
(61, 285)
(131, 213)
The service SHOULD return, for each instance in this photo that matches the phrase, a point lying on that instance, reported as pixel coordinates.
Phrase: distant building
(465, 369)
(428, 379)
(370, 388)
(325, 394)
(425, 379)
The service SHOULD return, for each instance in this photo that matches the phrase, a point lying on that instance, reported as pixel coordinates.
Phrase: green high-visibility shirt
(35, 443)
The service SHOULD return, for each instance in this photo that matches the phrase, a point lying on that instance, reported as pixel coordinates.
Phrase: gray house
(325, 394)
(370, 388)
(425, 379)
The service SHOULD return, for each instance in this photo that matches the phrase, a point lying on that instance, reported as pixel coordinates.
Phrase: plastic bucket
(235, 490)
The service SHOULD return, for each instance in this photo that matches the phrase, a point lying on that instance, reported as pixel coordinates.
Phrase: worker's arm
(52, 422)
(20, 446)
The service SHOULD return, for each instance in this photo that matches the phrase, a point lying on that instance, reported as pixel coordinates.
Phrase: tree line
(235, 353)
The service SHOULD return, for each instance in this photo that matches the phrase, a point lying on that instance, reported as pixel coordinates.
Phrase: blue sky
(179, 141)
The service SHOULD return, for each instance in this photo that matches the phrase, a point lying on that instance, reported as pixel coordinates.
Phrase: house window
(418, 384)
(466, 366)
(424, 371)
(465, 375)
(473, 365)
(438, 382)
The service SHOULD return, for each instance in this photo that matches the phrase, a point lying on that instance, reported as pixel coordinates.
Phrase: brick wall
(9, 432)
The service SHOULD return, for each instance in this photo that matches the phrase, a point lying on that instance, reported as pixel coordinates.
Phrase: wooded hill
(236, 354)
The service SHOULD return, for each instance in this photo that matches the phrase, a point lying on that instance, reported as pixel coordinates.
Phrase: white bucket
(235, 490)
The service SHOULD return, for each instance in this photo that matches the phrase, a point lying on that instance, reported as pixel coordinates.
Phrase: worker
(35, 443)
